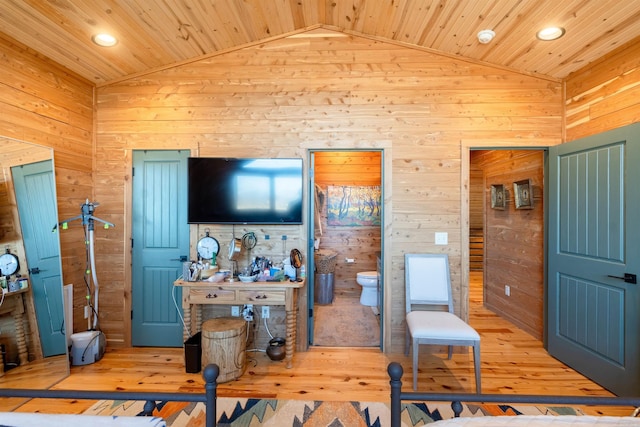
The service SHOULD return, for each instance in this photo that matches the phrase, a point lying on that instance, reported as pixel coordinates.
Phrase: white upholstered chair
(428, 284)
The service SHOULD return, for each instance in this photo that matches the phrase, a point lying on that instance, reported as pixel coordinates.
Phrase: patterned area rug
(233, 412)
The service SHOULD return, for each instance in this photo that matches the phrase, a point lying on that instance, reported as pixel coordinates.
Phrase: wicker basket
(325, 262)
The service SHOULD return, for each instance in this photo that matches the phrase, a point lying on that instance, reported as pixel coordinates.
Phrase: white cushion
(20, 419)
(439, 325)
(540, 421)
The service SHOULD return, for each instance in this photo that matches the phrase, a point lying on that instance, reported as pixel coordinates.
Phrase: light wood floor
(512, 363)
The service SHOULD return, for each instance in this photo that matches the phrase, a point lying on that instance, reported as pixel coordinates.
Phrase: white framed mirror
(33, 329)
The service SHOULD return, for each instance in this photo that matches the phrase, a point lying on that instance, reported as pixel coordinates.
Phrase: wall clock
(208, 247)
(9, 263)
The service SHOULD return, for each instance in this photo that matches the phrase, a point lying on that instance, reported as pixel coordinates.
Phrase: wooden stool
(224, 341)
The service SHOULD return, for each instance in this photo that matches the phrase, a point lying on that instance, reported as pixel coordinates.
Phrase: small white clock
(9, 263)
(208, 247)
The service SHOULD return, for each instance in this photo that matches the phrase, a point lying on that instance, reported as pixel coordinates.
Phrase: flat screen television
(244, 191)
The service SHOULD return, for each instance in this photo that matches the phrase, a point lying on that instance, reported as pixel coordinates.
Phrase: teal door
(35, 187)
(160, 238)
(594, 201)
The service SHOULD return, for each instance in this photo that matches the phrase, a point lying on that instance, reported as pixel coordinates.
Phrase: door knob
(628, 278)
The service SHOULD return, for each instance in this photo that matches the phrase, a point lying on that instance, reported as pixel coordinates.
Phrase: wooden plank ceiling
(155, 33)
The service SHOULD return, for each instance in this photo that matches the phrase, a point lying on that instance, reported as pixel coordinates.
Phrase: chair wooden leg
(415, 364)
(476, 362)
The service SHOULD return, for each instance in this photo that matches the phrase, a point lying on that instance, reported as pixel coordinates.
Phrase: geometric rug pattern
(234, 412)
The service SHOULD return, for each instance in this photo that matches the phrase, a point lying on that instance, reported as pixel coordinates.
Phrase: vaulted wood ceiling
(155, 33)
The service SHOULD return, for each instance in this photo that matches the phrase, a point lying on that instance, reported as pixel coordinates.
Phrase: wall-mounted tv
(244, 191)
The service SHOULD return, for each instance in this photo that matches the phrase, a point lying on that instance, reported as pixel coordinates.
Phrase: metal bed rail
(395, 372)
(210, 375)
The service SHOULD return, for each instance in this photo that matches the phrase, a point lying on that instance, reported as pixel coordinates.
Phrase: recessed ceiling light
(105, 40)
(485, 36)
(550, 33)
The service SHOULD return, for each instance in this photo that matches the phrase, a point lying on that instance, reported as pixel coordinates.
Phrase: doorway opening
(506, 243)
(346, 239)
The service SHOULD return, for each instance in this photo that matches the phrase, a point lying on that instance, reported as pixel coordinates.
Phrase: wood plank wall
(349, 168)
(514, 238)
(45, 104)
(476, 216)
(604, 95)
(326, 90)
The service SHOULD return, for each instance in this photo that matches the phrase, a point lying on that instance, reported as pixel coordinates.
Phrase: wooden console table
(13, 304)
(239, 293)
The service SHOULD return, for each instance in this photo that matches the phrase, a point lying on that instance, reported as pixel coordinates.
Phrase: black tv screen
(244, 191)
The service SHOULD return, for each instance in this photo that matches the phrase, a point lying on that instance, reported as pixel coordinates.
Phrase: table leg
(291, 324)
(198, 317)
(21, 340)
(186, 309)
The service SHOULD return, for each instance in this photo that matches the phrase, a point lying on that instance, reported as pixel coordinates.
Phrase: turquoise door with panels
(594, 257)
(160, 234)
(35, 186)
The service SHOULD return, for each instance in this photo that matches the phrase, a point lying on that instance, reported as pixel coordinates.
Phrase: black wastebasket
(193, 353)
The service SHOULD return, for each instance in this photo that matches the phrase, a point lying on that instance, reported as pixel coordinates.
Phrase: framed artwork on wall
(354, 206)
(498, 196)
(523, 196)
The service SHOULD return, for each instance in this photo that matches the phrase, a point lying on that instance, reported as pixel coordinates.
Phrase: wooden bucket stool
(224, 343)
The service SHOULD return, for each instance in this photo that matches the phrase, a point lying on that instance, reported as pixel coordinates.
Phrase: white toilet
(369, 282)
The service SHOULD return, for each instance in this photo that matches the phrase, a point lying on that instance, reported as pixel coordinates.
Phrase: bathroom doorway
(346, 216)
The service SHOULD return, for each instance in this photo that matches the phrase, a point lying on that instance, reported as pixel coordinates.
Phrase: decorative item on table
(277, 275)
(208, 271)
(248, 275)
(261, 266)
(289, 270)
(226, 273)
(191, 270)
(247, 278)
(295, 259)
(217, 276)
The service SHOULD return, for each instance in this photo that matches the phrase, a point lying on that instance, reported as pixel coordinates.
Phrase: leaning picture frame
(498, 196)
(523, 194)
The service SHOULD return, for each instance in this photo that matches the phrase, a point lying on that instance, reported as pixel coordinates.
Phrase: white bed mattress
(540, 421)
(22, 419)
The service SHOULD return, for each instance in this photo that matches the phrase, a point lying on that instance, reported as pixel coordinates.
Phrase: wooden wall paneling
(476, 215)
(605, 94)
(305, 92)
(43, 103)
